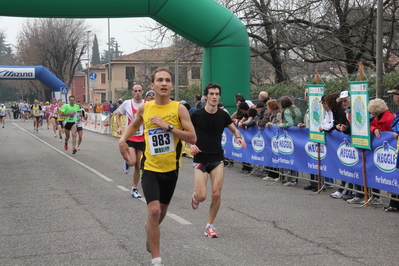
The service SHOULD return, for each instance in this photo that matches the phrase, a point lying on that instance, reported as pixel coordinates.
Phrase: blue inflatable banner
(290, 148)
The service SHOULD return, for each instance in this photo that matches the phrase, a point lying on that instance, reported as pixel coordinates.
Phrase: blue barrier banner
(290, 148)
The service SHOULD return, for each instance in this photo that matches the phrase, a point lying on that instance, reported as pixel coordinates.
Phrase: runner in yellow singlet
(166, 123)
(35, 112)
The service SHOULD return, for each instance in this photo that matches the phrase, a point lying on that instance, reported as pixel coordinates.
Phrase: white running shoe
(291, 184)
(336, 195)
(125, 168)
(135, 193)
(268, 178)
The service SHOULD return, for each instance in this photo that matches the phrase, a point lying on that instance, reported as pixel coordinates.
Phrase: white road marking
(123, 188)
(177, 218)
(170, 215)
(66, 155)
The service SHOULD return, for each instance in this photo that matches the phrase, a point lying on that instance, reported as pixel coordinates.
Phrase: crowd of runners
(65, 120)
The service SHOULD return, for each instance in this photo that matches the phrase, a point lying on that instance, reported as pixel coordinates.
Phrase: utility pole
(109, 63)
(176, 70)
(379, 59)
(88, 69)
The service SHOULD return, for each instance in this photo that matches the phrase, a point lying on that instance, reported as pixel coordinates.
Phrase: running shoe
(125, 168)
(157, 263)
(356, 200)
(66, 146)
(289, 183)
(210, 232)
(390, 209)
(336, 195)
(194, 202)
(78, 148)
(135, 193)
(74, 151)
(55, 136)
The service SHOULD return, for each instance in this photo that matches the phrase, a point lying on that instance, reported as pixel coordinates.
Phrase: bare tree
(57, 44)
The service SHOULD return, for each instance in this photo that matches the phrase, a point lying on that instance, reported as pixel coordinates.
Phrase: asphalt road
(62, 209)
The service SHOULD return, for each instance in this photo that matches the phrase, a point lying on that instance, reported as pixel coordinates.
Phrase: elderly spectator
(383, 118)
(382, 121)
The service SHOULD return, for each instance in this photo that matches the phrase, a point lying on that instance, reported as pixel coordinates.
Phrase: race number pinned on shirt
(160, 141)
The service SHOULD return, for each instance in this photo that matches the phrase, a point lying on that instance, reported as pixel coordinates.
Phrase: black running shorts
(159, 186)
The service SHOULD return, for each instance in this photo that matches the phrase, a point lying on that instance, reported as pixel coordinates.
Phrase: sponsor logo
(285, 144)
(316, 112)
(274, 143)
(258, 142)
(224, 139)
(359, 115)
(346, 154)
(17, 73)
(235, 144)
(312, 150)
(384, 157)
(155, 131)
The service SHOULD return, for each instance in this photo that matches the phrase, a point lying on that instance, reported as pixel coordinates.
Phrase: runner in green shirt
(69, 111)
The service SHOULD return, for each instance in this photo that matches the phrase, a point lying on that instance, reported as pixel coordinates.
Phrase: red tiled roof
(164, 53)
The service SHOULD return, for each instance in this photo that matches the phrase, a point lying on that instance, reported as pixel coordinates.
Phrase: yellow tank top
(36, 110)
(162, 149)
(58, 114)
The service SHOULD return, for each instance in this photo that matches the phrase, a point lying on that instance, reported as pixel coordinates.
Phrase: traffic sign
(92, 75)
(64, 90)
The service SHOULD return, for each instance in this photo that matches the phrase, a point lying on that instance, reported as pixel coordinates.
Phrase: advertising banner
(316, 112)
(360, 120)
(292, 149)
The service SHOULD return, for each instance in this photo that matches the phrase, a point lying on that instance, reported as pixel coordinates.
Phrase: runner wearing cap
(47, 113)
(150, 95)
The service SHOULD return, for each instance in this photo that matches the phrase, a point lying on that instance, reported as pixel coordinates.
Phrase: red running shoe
(210, 232)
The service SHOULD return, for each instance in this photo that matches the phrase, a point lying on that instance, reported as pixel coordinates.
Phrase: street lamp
(88, 69)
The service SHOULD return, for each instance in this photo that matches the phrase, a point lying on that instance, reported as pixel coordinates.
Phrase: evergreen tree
(114, 49)
(95, 52)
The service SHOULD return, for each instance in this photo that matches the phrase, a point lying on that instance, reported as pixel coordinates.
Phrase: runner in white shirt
(136, 142)
(79, 124)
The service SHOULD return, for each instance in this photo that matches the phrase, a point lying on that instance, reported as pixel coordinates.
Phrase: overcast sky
(130, 33)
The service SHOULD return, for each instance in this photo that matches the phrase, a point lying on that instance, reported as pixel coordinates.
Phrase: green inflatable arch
(226, 58)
